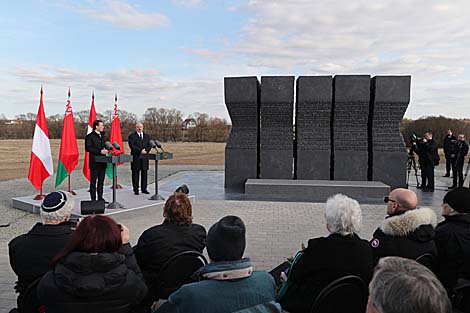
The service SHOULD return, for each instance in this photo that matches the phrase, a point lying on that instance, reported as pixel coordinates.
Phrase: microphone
(116, 146)
(108, 146)
(159, 145)
(152, 144)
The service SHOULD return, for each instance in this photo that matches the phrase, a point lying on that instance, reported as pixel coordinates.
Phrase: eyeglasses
(387, 199)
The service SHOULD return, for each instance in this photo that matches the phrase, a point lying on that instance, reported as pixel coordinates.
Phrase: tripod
(411, 164)
(466, 171)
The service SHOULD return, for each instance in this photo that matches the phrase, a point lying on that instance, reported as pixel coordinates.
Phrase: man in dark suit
(139, 144)
(94, 144)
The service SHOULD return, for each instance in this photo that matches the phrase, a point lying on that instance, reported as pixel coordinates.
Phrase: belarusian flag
(116, 135)
(68, 155)
(40, 164)
(91, 119)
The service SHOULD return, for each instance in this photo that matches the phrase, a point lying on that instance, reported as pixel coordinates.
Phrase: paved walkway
(275, 230)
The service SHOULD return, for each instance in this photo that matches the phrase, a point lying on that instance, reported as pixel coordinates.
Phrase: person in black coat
(139, 144)
(159, 243)
(94, 144)
(96, 269)
(428, 158)
(31, 253)
(326, 259)
(453, 238)
(449, 140)
(407, 231)
(457, 156)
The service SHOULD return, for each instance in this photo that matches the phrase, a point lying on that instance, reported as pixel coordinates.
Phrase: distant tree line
(162, 124)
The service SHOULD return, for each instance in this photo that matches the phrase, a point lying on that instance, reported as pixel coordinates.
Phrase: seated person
(159, 243)
(453, 238)
(31, 253)
(407, 231)
(228, 283)
(97, 267)
(326, 259)
(401, 285)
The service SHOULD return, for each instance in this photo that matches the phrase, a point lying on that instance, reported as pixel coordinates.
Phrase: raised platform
(317, 190)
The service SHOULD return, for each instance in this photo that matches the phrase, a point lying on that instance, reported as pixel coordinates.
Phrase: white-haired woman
(325, 259)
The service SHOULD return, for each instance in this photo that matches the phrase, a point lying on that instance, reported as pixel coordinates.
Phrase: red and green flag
(116, 135)
(68, 155)
(91, 119)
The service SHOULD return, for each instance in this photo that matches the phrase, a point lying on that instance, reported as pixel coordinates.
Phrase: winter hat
(458, 199)
(56, 206)
(226, 239)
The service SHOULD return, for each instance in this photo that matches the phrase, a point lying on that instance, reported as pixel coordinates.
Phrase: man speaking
(139, 144)
(94, 144)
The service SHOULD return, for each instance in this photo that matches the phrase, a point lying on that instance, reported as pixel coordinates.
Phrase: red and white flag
(40, 164)
(91, 119)
(116, 135)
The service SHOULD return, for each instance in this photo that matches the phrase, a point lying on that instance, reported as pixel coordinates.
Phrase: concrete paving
(275, 230)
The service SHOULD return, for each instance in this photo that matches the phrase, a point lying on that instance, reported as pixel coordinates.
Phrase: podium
(157, 157)
(114, 159)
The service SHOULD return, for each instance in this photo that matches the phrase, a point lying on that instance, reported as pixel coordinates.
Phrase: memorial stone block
(276, 131)
(312, 127)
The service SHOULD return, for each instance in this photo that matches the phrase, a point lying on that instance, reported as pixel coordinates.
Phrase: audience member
(96, 268)
(159, 243)
(406, 231)
(31, 253)
(404, 286)
(453, 238)
(228, 283)
(326, 259)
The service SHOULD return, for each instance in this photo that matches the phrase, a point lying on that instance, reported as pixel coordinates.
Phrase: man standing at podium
(139, 144)
(94, 144)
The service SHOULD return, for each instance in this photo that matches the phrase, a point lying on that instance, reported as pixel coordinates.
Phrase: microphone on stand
(108, 146)
(159, 145)
(116, 146)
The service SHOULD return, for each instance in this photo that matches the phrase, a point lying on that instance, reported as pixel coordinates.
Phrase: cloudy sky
(175, 53)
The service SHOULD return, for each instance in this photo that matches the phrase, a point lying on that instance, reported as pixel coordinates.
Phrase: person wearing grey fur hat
(228, 283)
(453, 238)
(31, 253)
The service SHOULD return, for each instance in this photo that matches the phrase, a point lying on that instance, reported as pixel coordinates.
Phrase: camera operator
(447, 147)
(458, 151)
(426, 148)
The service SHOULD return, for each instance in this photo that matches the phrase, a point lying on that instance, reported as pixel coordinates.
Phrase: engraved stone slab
(350, 127)
(241, 150)
(314, 95)
(276, 131)
(391, 96)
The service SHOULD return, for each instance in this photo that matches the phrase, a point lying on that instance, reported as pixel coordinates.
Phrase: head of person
(428, 135)
(343, 215)
(178, 209)
(98, 125)
(94, 234)
(461, 137)
(449, 132)
(139, 127)
(226, 239)
(456, 201)
(56, 207)
(404, 286)
(401, 200)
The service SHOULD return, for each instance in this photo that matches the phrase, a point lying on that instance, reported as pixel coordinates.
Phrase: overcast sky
(175, 53)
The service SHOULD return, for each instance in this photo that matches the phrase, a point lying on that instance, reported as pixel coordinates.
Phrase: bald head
(401, 200)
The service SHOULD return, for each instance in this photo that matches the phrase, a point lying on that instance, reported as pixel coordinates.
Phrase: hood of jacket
(226, 270)
(420, 221)
(91, 274)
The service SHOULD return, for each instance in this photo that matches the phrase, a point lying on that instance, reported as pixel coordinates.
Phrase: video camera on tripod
(411, 162)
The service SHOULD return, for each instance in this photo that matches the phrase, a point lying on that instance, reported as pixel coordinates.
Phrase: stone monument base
(317, 190)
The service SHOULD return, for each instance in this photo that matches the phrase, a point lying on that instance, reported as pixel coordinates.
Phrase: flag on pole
(91, 119)
(40, 164)
(116, 135)
(68, 155)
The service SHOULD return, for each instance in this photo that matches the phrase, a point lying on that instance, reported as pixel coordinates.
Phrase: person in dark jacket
(407, 231)
(96, 269)
(453, 238)
(31, 253)
(428, 158)
(228, 283)
(94, 144)
(139, 144)
(326, 259)
(457, 156)
(159, 243)
(449, 141)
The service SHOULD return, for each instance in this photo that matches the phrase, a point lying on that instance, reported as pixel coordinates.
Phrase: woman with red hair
(96, 271)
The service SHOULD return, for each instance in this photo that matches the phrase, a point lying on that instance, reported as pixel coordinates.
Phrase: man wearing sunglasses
(407, 231)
